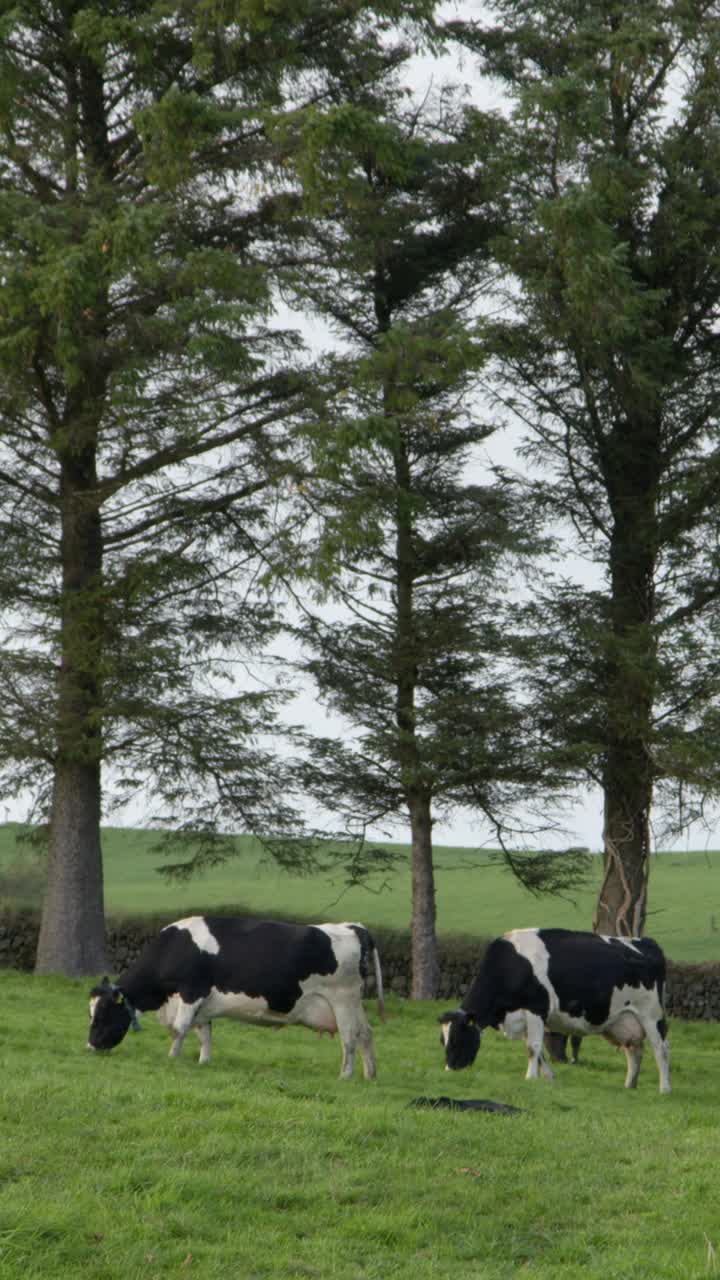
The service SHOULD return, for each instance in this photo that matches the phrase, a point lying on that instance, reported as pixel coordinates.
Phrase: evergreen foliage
(417, 549)
(612, 363)
(148, 401)
(167, 175)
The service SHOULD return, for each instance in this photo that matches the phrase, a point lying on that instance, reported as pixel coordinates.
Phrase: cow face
(461, 1038)
(110, 1017)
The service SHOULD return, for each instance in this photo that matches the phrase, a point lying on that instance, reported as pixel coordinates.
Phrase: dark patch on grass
(467, 1104)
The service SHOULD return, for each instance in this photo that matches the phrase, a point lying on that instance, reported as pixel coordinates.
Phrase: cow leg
(177, 1044)
(545, 1068)
(355, 1032)
(656, 1034)
(183, 1018)
(534, 1041)
(367, 1051)
(633, 1054)
(203, 1034)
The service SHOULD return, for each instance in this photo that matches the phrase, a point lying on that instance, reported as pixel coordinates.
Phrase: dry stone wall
(693, 989)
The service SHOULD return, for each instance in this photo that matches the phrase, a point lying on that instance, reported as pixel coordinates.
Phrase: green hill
(472, 897)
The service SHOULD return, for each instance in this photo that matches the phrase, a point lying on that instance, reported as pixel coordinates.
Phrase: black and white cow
(258, 971)
(569, 982)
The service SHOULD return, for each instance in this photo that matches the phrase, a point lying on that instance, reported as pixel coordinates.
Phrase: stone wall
(693, 989)
(18, 940)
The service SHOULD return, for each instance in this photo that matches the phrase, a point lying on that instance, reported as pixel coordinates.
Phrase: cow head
(461, 1037)
(110, 1016)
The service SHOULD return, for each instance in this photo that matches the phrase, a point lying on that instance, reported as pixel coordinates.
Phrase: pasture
(472, 897)
(263, 1166)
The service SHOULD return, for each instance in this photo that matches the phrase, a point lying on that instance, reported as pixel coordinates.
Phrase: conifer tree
(147, 405)
(613, 363)
(405, 203)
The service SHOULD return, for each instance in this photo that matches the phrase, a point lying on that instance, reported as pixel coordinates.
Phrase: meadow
(264, 1166)
(473, 898)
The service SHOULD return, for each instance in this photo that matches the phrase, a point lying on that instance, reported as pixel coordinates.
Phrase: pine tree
(612, 362)
(147, 404)
(406, 202)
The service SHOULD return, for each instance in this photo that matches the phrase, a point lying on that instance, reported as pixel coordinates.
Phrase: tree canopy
(147, 405)
(611, 360)
(405, 202)
(168, 176)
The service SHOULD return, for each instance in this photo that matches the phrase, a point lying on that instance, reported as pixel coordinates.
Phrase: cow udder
(315, 1011)
(626, 1031)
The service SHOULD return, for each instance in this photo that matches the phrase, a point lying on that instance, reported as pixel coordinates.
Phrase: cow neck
(140, 991)
(479, 1005)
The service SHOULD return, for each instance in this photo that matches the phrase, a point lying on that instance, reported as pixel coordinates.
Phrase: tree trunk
(631, 673)
(72, 931)
(622, 901)
(417, 795)
(425, 967)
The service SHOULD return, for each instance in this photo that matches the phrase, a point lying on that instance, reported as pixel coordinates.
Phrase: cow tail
(379, 983)
(367, 945)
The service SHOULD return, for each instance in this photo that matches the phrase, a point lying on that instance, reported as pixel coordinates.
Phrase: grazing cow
(257, 971)
(569, 982)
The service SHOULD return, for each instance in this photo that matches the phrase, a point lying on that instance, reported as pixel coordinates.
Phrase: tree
(612, 362)
(147, 405)
(405, 203)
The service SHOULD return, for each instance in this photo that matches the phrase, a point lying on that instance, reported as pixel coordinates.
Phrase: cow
(572, 983)
(262, 972)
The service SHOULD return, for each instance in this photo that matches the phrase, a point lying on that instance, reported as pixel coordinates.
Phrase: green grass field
(264, 1166)
(684, 912)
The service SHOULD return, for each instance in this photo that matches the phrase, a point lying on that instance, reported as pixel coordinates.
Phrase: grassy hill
(472, 896)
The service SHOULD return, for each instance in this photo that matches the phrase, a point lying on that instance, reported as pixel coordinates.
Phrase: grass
(263, 1166)
(471, 899)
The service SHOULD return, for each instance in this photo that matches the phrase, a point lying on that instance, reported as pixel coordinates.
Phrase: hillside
(472, 896)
